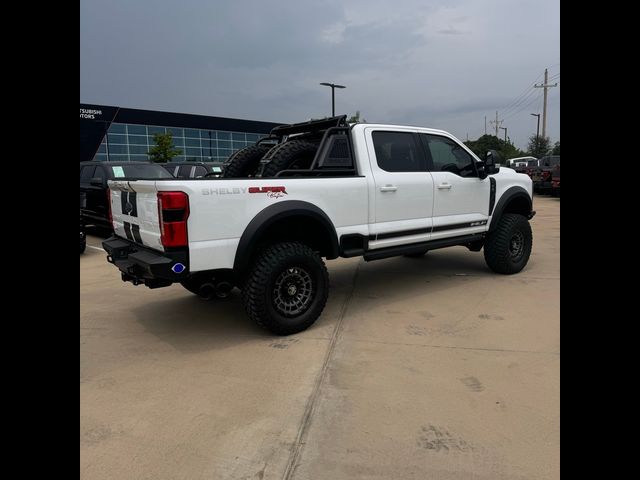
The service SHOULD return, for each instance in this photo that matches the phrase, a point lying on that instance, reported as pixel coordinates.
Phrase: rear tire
(287, 288)
(292, 154)
(508, 247)
(245, 162)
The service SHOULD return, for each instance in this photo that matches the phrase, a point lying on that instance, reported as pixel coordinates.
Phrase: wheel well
(299, 228)
(288, 221)
(519, 205)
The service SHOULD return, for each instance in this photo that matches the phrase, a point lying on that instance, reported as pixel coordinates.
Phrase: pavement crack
(313, 398)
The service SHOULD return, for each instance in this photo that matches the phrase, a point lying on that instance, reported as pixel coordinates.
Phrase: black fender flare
(273, 213)
(510, 194)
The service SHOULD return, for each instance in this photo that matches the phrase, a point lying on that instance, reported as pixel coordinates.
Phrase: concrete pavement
(418, 368)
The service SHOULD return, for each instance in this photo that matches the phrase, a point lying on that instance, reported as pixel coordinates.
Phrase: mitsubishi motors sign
(89, 113)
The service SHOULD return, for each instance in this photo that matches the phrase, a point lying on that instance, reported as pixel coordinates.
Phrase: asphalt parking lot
(430, 368)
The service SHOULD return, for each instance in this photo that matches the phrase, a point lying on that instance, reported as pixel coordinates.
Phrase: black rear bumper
(141, 265)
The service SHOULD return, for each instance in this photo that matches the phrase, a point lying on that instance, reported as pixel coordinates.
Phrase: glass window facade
(130, 142)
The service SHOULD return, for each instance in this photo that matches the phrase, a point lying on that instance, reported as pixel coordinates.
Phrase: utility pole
(485, 124)
(505, 133)
(497, 123)
(545, 85)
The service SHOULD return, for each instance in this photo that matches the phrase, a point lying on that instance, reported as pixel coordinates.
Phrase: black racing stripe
(133, 200)
(135, 229)
(492, 194)
(127, 230)
(456, 226)
(417, 231)
(123, 201)
(403, 233)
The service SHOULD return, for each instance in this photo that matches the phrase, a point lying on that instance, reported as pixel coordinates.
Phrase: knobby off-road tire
(246, 161)
(292, 154)
(287, 288)
(508, 247)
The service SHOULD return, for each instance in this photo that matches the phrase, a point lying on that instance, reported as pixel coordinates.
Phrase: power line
(524, 99)
(523, 93)
(524, 107)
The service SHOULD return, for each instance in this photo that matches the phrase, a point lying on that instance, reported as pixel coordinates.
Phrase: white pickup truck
(312, 190)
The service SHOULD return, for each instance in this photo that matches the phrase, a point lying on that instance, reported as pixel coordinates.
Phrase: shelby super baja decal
(272, 192)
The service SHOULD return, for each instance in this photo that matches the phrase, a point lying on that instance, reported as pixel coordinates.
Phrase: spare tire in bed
(291, 154)
(245, 161)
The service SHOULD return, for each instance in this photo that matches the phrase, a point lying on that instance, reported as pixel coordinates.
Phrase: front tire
(287, 288)
(508, 247)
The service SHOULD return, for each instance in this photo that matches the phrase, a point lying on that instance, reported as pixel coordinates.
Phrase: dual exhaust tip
(213, 290)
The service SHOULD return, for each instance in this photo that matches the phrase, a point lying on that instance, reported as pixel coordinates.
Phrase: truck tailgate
(134, 208)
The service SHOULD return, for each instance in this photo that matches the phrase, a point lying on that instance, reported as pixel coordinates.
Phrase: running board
(379, 254)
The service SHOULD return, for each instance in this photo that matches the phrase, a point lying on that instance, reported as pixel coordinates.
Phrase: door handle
(388, 188)
(444, 186)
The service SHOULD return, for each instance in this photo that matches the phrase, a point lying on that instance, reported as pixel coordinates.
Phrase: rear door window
(86, 173)
(200, 171)
(398, 152)
(99, 173)
(185, 171)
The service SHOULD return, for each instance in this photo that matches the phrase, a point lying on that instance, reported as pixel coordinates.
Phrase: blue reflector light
(178, 268)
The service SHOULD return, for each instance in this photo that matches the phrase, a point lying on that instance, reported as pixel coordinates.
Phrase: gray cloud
(439, 63)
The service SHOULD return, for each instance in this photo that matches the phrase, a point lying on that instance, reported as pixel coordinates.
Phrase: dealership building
(110, 133)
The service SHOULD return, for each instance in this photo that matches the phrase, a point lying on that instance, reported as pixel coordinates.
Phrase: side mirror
(482, 173)
(96, 182)
(490, 161)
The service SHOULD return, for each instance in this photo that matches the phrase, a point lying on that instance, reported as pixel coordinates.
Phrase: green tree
(539, 146)
(163, 150)
(491, 142)
(556, 148)
(356, 118)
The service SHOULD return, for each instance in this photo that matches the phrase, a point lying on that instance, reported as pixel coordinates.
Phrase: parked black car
(93, 183)
(83, 235)
(193, 169)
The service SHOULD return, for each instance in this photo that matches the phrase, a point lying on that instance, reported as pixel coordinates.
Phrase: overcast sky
(435, 63)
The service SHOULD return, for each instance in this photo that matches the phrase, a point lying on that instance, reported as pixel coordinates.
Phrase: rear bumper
(141, 265)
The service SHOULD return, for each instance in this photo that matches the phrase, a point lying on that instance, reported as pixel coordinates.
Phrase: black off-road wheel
(286, 289)
(245, 162)
(290, 155)
(508, 247)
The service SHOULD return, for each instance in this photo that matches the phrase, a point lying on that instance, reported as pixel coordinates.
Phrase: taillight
(173, 211)
(109, 208)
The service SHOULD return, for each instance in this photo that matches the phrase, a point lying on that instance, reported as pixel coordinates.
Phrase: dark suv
(193, 169)
(93, 183)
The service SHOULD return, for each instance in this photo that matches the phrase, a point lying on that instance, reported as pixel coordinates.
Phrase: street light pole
(538, 127)
(333, 96)
(505, 133)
